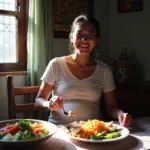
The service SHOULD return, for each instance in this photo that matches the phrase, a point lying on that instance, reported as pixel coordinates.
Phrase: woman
(77, 81)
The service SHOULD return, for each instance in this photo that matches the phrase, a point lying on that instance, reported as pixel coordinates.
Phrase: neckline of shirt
(65, 63)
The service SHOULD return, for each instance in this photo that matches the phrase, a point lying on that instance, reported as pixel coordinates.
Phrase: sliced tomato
(37, 130)
(6, 128)
(11, 130)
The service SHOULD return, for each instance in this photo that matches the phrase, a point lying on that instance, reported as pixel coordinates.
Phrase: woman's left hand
(124, 119)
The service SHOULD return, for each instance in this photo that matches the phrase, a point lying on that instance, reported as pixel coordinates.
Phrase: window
(12, 35)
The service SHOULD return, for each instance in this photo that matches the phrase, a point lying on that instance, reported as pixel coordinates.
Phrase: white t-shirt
(81, 96)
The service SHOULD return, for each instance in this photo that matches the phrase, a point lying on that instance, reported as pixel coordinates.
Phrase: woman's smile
(84, 48)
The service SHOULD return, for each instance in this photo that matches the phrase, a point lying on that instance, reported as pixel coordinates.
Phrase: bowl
(52, 128)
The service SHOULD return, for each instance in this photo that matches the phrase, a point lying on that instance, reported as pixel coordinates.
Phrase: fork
(66, 113)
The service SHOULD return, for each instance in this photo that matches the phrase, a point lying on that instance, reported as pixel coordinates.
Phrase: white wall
(131, 29)
(60, 48)
(102, 14)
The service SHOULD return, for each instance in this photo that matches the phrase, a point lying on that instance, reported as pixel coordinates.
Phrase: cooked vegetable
(112, 135)
(94, 130)
(71, 114)
(99, 136)
(22, 130)
(113, 129)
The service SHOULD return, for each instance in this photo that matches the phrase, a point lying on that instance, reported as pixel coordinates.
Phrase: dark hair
(81, 18)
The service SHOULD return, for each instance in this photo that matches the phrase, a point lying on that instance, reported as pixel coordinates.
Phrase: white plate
(124, 133)
(49, 126)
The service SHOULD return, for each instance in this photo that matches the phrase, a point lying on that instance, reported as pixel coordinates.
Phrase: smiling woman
(79, 90)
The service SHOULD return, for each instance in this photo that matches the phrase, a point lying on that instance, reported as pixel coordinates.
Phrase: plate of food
(96, 131)
(25, 131)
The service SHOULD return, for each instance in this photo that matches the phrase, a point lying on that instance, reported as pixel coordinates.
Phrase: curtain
(39, 40)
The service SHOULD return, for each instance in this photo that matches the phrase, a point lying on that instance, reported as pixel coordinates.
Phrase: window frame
(21, 50)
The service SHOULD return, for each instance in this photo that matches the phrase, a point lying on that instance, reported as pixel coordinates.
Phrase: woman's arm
(41, 100)
(111, 104)
(43, 95)
(114, 111)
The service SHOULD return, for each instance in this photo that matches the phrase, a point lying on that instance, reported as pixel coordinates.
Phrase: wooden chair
(12, 91)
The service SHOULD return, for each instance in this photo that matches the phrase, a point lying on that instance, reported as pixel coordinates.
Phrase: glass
(8, 38)
(10, 5)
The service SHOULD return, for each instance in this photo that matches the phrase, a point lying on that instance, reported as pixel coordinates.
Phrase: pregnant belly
(84, 110)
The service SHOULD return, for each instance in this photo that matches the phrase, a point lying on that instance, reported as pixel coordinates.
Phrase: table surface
(138, 139)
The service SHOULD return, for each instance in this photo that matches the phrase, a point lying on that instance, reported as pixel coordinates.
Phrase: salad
(22, 130)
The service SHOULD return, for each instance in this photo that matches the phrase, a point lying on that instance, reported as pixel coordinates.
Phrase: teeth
(84, 46)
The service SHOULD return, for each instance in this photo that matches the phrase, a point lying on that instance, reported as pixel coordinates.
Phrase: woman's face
(84, 38)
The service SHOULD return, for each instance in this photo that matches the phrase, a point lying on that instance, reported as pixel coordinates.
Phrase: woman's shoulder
(102, 65)
(104, 68)
(56, 60)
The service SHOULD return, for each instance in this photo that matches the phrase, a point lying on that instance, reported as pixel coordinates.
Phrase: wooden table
(139, 139)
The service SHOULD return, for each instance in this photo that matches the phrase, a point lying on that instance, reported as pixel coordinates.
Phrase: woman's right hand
(55, 103)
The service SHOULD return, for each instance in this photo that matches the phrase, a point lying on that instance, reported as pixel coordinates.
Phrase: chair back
(12, 92)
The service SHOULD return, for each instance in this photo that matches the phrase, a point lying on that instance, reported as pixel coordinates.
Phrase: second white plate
(124, 133)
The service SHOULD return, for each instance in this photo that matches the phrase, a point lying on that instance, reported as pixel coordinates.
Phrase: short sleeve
(109, 81)
(52, 72)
